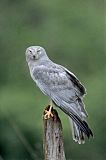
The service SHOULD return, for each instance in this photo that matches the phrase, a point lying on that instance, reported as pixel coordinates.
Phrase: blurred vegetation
(73, 34)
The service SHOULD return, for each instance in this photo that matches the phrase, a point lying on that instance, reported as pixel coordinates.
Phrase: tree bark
(53, 139)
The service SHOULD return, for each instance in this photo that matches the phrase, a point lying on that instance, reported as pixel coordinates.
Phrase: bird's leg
(48, 112)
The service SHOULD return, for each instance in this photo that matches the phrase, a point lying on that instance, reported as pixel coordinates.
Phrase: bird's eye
(38, 51)
(30, 51)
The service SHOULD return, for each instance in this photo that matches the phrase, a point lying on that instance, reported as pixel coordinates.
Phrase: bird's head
(35, 53)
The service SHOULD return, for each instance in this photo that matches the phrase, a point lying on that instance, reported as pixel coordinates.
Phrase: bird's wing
(63, 87)
(79, 88)
(57, 84)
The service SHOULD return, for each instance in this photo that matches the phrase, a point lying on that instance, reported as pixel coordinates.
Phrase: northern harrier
(63, 88)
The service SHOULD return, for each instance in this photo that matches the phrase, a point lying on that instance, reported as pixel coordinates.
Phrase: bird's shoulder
(57, 75)
(76, 82)
(48, 68)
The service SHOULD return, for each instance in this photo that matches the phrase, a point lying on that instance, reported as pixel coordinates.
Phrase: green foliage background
(73, 34)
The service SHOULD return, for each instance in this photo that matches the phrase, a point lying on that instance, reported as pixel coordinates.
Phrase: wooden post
(53, 139)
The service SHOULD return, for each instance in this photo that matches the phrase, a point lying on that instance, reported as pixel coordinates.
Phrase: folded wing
(67, 92)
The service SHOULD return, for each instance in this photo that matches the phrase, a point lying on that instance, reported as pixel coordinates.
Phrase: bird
(62, 87)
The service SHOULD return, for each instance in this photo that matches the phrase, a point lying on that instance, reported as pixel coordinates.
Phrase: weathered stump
(53, 139)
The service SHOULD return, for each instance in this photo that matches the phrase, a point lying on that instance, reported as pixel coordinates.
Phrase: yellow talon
(48, 113)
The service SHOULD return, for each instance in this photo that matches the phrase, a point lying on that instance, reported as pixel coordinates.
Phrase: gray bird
(63, 88)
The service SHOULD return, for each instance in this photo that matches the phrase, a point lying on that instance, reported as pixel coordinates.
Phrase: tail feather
(82, 125)
(78, 133)
(77, 115)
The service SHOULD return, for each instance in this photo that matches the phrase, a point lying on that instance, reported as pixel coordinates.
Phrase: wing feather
(56, 83)
(65, 90)
(80, 89)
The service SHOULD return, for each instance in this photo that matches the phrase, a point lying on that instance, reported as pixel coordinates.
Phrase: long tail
(80, 128)
(78, 133)
(77, 115)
